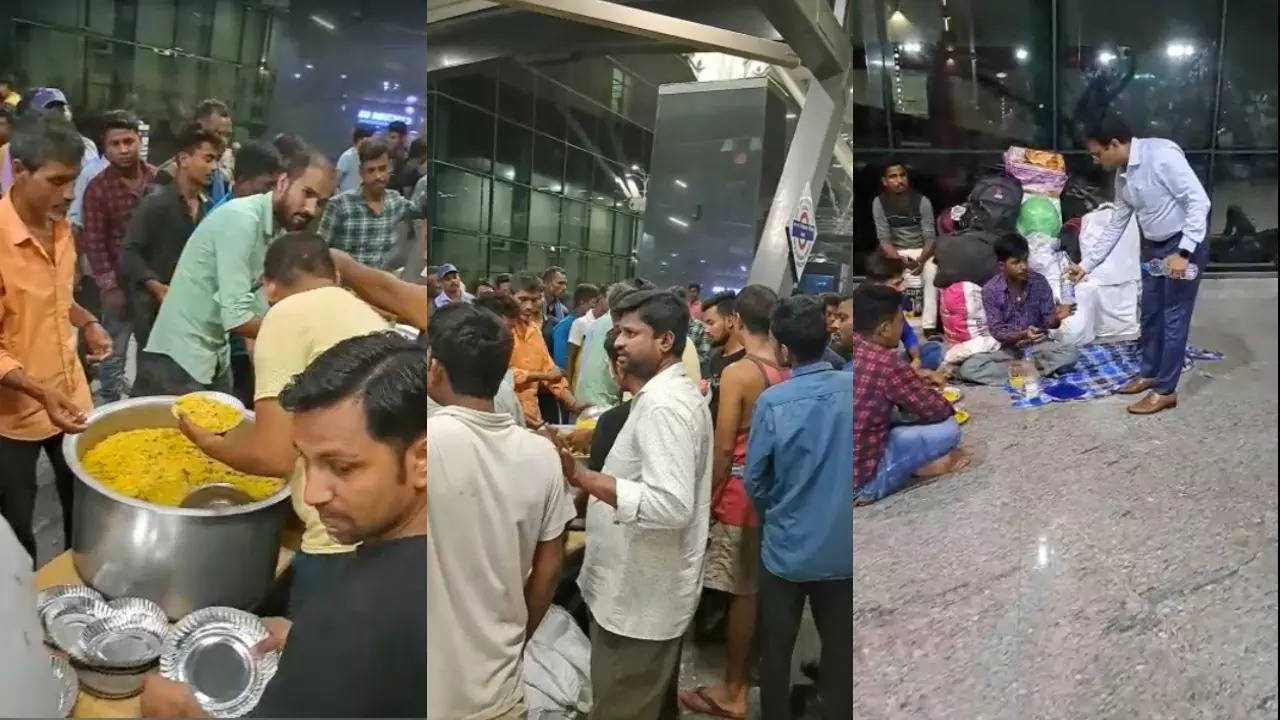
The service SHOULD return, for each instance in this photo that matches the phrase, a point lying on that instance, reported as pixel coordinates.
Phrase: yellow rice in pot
(162, 466)
(207, 413)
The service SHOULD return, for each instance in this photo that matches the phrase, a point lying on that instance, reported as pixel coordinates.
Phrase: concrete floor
(1089, 564)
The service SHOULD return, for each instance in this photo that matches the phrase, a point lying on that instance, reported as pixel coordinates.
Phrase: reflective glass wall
(538, 166)
(946, 85)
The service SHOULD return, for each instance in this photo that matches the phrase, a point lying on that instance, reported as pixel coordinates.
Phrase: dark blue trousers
(1166, 315)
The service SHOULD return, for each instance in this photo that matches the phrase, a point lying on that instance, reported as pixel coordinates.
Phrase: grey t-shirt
(902, 231)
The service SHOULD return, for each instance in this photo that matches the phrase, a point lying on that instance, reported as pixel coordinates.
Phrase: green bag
(1039, 215)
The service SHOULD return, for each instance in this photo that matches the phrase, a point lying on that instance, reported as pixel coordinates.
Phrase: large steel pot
(183, 559)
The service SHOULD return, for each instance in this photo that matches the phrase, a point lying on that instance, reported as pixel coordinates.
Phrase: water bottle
(1068, 292)
(1155, 268)
(1030, 377)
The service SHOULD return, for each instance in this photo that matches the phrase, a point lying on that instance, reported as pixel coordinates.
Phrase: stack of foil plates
(66, 609)
(68, 684)
(212, 651)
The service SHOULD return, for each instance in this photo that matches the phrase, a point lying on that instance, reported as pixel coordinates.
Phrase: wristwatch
(1184, 253)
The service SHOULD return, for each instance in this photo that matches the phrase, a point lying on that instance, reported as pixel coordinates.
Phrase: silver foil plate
(64, 619)
(68, 684)
(121, 642)
(131, 606)
(59, 592)
(212, 652)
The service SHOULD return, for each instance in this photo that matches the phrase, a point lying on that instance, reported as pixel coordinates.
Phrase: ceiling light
(1106, 57)
(678, 221)
(1001, 75)
(791, 116)
(912, 48)
(682, 183)
(1021, 54)
(322, 22)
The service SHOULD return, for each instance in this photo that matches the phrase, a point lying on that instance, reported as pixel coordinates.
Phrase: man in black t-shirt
(720, 315)
(360, 424)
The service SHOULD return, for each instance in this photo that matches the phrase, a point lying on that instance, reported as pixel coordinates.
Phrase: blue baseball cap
(41, 98)
(445, 270)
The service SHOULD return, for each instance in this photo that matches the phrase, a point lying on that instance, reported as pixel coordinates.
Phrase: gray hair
(38, 140)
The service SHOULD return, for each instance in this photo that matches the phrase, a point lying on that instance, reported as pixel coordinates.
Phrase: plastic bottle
(1155, 268)
(1030, 376)
(1068, 292)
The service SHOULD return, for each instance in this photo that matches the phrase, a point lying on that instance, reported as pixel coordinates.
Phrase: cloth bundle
(1039, 171)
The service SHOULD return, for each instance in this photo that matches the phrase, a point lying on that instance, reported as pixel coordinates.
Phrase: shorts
(733, 559)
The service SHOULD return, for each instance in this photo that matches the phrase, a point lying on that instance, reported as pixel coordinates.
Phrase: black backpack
(995, 203)
(965, 256)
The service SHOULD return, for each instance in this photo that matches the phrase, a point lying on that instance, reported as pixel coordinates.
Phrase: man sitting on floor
(1020, 310)
(885, 458)
(925, 358)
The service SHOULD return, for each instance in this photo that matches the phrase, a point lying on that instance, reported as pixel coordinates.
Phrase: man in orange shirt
(43, 389)
(531, 363)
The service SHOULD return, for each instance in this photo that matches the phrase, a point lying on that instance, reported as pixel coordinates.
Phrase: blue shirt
(799, 474)
(1161, 189)
(347, 172)
(560, 341)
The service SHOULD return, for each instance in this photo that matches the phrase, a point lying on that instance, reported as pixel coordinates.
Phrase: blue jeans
(1166, 316)
(112, 384)
(908, 448)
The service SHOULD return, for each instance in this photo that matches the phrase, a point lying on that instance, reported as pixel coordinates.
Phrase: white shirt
(496, 492)
(27, 684)
(1162, 190)
(642, 573)
(1122, 263)
(578, 330)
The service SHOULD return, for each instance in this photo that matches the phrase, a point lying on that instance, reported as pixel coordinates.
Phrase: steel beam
(813, 30)
(438, 10)
(662, 27)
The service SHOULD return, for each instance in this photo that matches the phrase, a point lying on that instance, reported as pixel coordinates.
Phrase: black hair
(1011, 245)
(302, 160)
(36, 140)
(398, 127)
(359, 133)
(680, 292)
(298, 253)
(6, 113)
(255, 159)
(501, 278)
(1107, 129)
(525, 282)
(882, 268)
(385, 371)
(119, 120)
(830, 299)
(372, 149)
(211, 106)
(551, 272)
(585, 292)
(725, 303)
(418, 148)
(474, 346)
(884, 172)
(639, 283)
(694, 288)
(874, 304)
(755, 307)
(501, 305)
(288, 145)
(611, 344)
(193, 135)
(662, 312)
(800, 324)
(484, 281)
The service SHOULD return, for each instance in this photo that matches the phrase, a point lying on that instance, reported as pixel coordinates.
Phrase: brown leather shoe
(1135, 386)
(1153, 403)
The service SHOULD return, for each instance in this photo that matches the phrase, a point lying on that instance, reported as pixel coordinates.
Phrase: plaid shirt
(108, 205)
(349, 225)
(882, 380)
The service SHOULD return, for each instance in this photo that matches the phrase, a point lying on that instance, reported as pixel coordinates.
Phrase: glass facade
(946, 85)
(533, 166)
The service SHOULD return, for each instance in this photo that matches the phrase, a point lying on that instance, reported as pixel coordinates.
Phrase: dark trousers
(18, 460)
(1166, 315)
(781, 604)
(160, 375)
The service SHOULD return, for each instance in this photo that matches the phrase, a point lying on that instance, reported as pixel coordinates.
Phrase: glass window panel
(255, 26)
(600, 234)
(549, 111)
(460, 202)
(226, 30)
(577, 175)
(539, 258)
(573, 224)
(635, 146)
(51, 58)
(53, 13)
(609, 136)
(1242, 228)
(464, 135)
(620, 269)
(544, 218)
(195, 26)
(514, 152)
(1247, 114)
(468, 252)
(1152, 62)
(548, 164)
(476, 85)
(571, 262)
(102, 15)
(510, 210)
(606, 187)
(623, 231)
(516, 87)
(155, 22)
(598, 270)
(969, 73)
(583, 122)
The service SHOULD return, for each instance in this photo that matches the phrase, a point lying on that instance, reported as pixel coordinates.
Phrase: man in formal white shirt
(647, 519)
(1155, 184)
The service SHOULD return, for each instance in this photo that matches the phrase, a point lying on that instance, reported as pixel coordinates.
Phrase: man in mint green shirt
(216, 288)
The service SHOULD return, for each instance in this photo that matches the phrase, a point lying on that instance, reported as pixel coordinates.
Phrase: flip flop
(698, 701)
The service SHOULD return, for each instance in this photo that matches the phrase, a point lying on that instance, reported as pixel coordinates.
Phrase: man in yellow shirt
(309, 314)
(9, 96)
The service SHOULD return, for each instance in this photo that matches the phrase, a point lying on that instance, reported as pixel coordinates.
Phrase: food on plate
(951, 394)
(578, 440)
(162, 466)
(205, 412)
(962, 417)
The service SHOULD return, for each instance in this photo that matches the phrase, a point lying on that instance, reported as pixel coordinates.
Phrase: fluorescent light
(1001, 75)
(1106, 57)
(682, 183)
(791, 116)
(912, 48)
(297, 75)
(678, 221)
(322, 22)
(310, 66)
(1021, 54)
(1178, 50)
(411, 99)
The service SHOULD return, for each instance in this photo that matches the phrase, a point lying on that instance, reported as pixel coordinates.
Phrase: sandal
(697, 700)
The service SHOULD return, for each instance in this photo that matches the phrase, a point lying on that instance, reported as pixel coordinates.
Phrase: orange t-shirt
(36, 336)
(529, 355)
